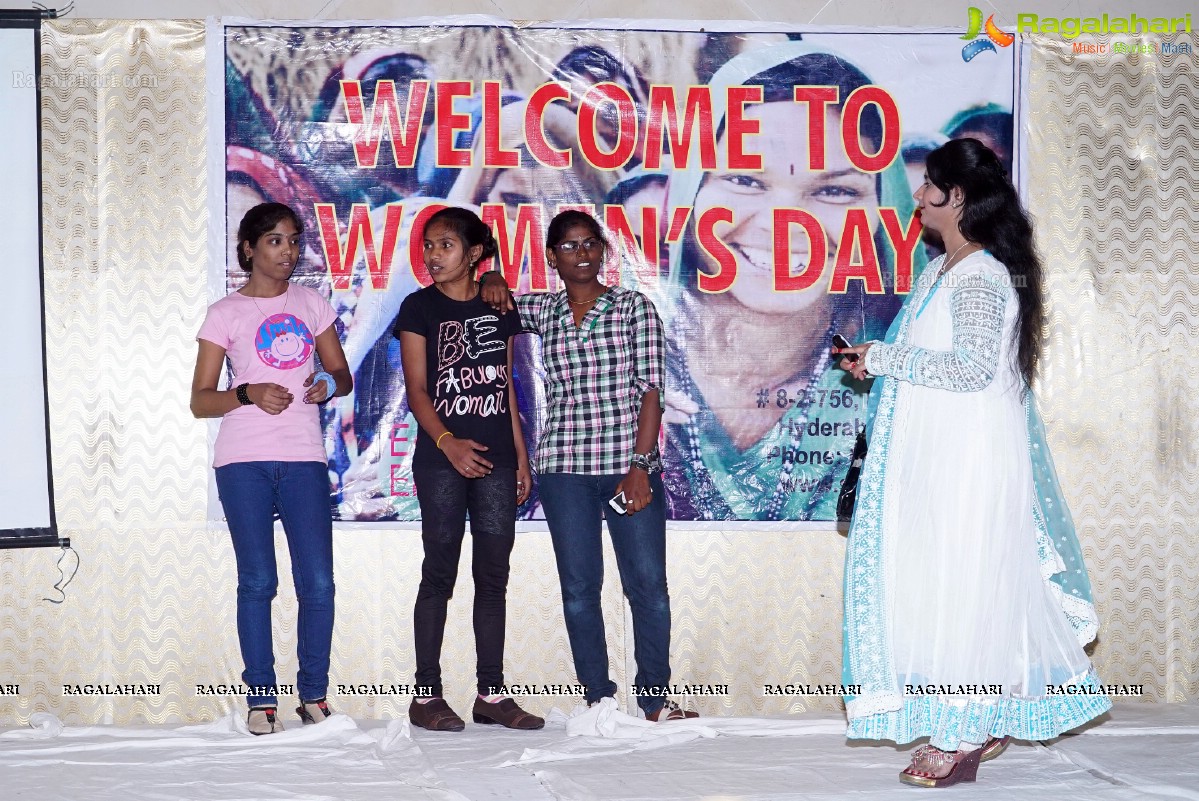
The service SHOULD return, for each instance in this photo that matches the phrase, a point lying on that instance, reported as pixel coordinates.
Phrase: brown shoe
(932, 767)
(994, 747)
(505, 712)
(434, 715)
(670, 711)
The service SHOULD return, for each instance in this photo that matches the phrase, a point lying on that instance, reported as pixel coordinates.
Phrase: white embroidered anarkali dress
(966, 601)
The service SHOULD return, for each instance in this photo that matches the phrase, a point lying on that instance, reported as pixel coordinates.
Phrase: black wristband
(243, 394)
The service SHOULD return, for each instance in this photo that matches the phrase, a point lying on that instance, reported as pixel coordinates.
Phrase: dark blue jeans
(252, 493)
(574, 506)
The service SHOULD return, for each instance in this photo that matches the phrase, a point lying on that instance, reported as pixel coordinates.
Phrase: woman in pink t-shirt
(269, 455)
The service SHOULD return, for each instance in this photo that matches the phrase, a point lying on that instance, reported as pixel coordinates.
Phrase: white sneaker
(263, 720)
(313, 711)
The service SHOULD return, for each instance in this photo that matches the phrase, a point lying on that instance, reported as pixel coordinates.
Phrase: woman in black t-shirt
(470, 455)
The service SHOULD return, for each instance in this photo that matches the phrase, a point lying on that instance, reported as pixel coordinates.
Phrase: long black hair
(993, 217)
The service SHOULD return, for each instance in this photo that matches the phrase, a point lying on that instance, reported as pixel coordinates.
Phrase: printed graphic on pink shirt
(283, 341)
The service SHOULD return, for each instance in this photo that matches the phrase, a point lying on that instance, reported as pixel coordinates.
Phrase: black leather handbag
(849, 487)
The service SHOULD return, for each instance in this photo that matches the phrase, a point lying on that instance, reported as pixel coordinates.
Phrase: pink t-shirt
(270, 340)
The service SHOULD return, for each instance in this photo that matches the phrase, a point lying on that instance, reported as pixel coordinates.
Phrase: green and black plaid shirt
(596, 376)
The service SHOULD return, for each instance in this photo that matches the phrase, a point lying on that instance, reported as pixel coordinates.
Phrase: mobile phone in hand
(617, 503)
(841, 342)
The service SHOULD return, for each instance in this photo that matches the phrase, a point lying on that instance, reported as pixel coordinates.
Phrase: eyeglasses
(571, 246)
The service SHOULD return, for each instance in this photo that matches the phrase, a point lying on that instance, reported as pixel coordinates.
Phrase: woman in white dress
(967, 604)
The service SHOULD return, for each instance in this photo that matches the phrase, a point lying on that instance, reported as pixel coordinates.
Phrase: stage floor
(1138, 751)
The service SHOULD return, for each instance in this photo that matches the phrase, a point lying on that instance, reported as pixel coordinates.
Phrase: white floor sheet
(1142, 751)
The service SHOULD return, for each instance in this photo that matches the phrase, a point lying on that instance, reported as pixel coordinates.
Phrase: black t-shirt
(466, 368)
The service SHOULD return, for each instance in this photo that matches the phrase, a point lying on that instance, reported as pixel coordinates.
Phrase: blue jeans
(251, 493)
(574, 506)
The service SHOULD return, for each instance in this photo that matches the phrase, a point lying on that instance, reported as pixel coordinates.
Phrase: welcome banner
(756, 185)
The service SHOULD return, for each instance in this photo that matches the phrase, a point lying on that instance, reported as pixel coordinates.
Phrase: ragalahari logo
(995, 35)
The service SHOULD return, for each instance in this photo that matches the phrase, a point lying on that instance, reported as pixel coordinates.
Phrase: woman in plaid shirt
(604, 352)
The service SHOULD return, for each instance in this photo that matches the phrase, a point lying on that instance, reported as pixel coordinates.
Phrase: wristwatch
(243, 394)
(649, 462)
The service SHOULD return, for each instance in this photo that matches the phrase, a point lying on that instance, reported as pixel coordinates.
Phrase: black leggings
(445, 498)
